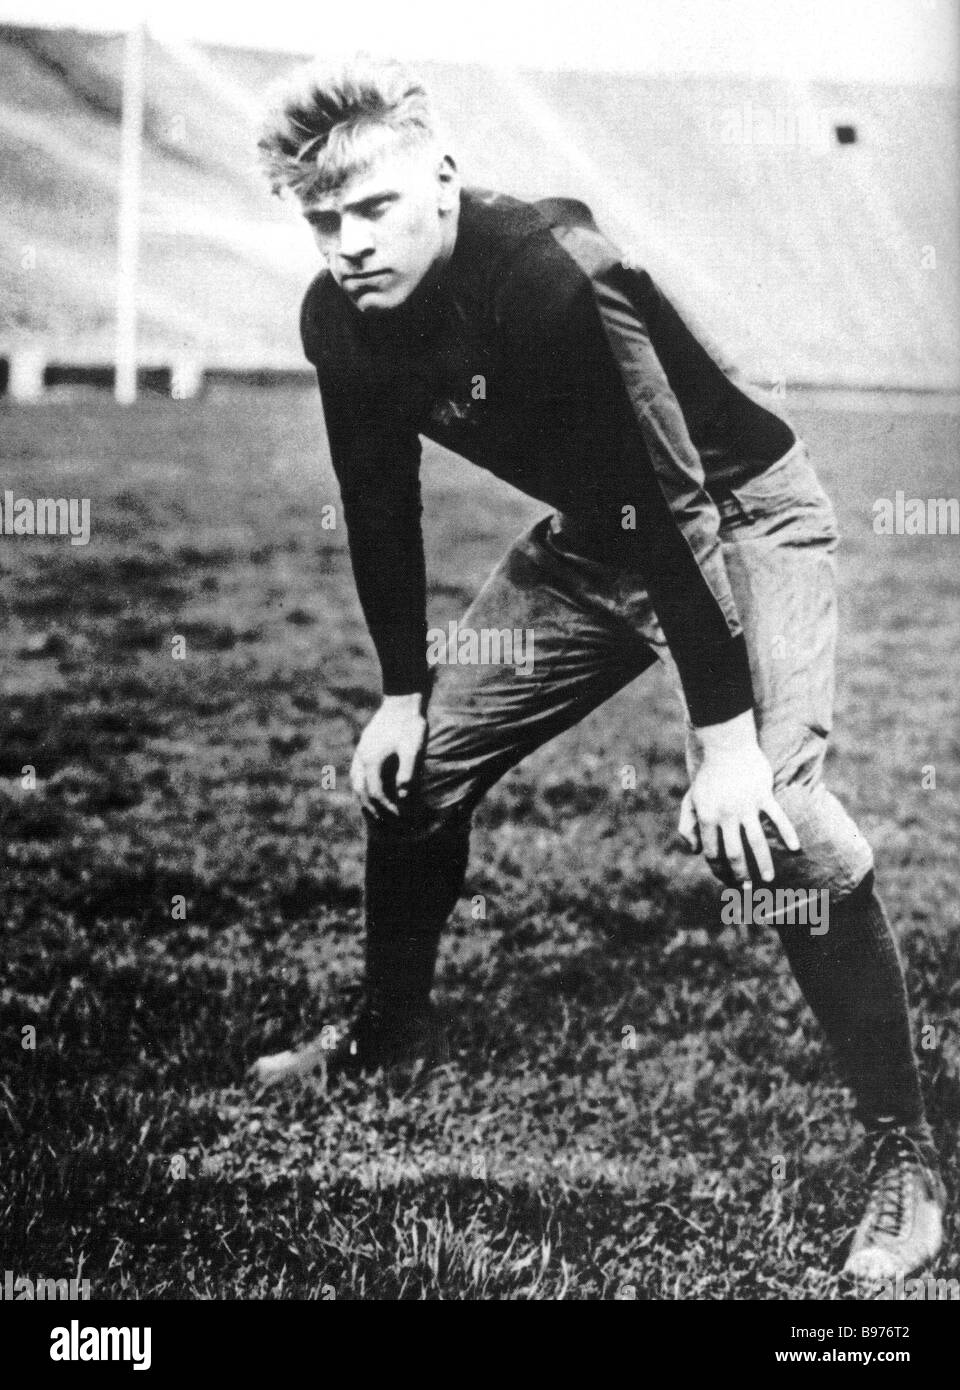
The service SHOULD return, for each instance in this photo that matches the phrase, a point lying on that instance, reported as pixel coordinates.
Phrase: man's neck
(451, 231)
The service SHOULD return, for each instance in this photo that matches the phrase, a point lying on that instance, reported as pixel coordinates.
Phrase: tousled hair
(325, 123)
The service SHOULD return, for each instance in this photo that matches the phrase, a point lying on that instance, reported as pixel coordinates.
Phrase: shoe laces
(896, 1160)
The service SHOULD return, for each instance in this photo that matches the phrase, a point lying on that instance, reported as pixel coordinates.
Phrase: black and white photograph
(479, 745)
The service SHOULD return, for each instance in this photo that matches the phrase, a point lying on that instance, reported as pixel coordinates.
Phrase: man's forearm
(386, 551)
(730, 736)
(415, 702)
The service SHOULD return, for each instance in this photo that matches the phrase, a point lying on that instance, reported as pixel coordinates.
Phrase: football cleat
(374, 1041)
(902, 1227)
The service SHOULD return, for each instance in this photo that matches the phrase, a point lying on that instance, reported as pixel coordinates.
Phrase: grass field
(546, 1159)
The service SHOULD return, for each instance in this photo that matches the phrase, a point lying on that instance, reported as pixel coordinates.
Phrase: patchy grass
(546, 1160)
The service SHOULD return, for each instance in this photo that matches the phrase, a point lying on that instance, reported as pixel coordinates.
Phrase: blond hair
(326, 123)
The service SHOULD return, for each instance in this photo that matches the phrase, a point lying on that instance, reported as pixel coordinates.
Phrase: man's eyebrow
(359, 205)
(387, 195)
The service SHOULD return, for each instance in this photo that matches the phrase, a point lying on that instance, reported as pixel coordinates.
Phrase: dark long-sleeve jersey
(539, 354)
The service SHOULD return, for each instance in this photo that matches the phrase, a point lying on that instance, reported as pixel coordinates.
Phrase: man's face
(383, 229)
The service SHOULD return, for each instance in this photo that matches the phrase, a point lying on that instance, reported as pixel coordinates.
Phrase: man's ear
(448, 176)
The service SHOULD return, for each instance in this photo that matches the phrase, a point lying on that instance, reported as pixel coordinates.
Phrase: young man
(686, 516)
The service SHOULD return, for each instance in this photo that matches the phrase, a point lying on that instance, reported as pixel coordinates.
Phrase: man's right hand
(397, 730)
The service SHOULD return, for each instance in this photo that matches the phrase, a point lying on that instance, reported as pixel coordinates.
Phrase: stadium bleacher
(812, 227)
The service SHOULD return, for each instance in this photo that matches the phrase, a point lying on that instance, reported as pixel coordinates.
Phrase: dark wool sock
(852, 978)
(411, 889)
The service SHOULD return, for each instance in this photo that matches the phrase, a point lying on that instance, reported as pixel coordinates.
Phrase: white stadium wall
(813, 228)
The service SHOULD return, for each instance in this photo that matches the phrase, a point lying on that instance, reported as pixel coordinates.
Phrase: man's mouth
(363, 277)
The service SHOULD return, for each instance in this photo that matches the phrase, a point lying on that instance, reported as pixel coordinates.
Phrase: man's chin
(376, 303)
(377, 299)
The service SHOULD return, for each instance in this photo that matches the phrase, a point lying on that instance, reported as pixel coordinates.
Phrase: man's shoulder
(545, 239)
(552, 261)
(319, 316)
(501, 221)
(565, 212)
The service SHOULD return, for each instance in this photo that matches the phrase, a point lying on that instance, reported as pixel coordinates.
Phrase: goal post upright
(128, 226)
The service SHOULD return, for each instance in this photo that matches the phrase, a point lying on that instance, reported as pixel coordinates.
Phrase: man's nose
(355, 239)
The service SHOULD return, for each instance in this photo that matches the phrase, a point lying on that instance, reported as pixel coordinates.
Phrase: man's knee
(421, 818)
(444, 792)
(833, 854)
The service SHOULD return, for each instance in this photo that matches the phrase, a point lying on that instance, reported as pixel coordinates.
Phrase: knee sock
(410, 890)
(852, 978)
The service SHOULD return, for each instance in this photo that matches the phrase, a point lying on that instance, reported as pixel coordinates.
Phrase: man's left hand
(731, 790)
